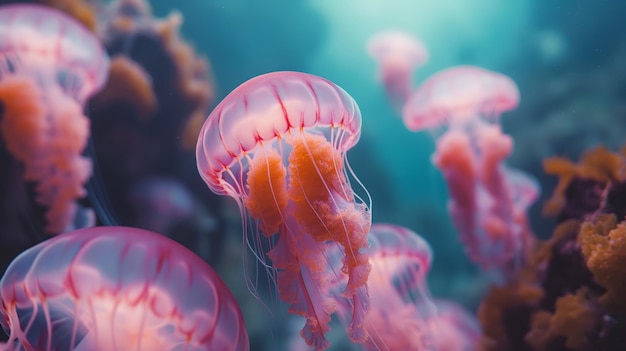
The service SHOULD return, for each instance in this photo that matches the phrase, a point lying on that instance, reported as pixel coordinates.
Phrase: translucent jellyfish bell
(277, 144)
(53, 47)
(401, 304)
(117, 288)
(459, 96)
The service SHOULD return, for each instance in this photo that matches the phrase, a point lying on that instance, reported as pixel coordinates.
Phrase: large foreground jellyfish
(49, 65)
(117, 288)
(277, 144)
(398, 54)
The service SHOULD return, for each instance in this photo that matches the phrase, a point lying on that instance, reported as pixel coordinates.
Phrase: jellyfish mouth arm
(47, 132)
(500, 220)
(456, 160)
(481, 205)
(494, 148)
(304, 285)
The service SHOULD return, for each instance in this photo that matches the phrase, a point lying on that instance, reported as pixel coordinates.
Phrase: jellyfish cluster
(84, 121)
(90, 288)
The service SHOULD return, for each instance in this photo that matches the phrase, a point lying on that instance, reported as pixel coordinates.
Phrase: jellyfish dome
(53, 46)
(117, 288)
(459, 96)
(277, 144)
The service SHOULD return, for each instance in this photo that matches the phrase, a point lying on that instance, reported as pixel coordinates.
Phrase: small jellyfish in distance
(398, 54)
(49, 65)
(277, 144)
(454, 328)
(117, 288)
(401, 304)
(460, 97)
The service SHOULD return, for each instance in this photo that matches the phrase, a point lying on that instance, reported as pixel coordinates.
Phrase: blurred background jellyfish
(460, 97)
(466, 103)
(277, 144)
(398, 54)
(117, 288)
(401, 304)
(49, 65)
(454, 328)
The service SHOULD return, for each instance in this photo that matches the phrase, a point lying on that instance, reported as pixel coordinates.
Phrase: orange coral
(575, 318)
(524, 293)
(82, 10)
(603, 244)
(193, 81)
(598, 164)
(128, 82)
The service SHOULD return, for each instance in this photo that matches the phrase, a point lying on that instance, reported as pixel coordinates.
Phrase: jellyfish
(49, 65)
(277, 144)
(401, 304)
(460, 97)
(454, 328)
(398, 54)
(467, 102)
(117, 288)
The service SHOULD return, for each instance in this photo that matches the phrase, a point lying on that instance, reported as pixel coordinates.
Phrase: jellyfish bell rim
(211, 170)
(410, 237)
(96, 72)
(425, 111)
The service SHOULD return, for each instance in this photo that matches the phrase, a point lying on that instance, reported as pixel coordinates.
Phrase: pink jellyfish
(399, 295)
(401, 304)
(398, 54)
(49, 65)
(277, 144)
(460, 97)
(471, 154)
(117, 288)
(453, 328)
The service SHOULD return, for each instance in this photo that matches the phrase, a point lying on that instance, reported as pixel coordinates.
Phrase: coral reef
(566, 297)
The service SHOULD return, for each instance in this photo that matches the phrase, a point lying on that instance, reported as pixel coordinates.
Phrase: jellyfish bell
(277, 144)
(113, 288)
(460, 96)
(401, 304)
(52, 46)
(264, 112)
